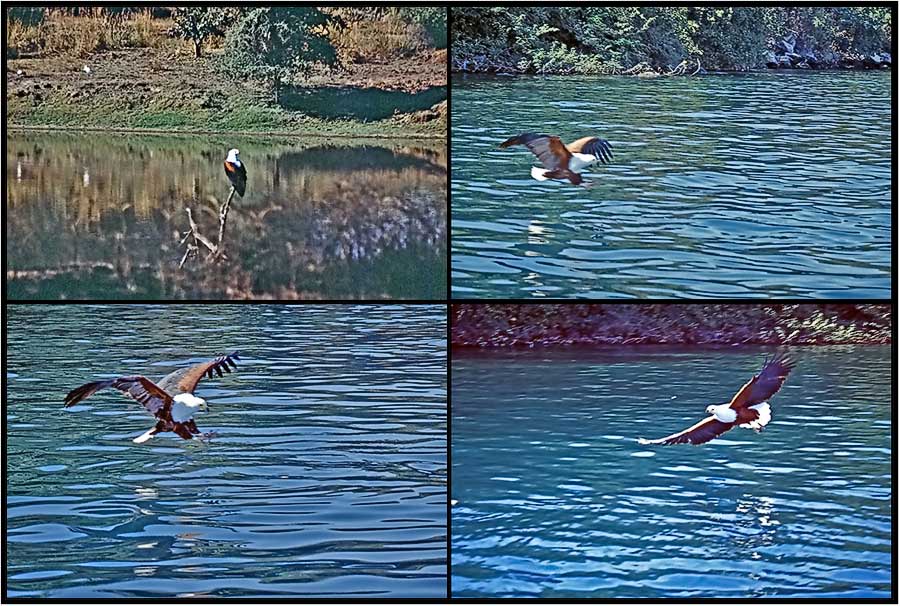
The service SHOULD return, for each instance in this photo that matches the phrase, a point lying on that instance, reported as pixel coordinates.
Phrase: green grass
(242, 115)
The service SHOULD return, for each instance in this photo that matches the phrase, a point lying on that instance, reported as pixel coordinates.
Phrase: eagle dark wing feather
(237, 174)
(594, 146)
(549, 149)
(702, 432)
(142, 389)
(764, 385)
(770, 379)
(185, 380)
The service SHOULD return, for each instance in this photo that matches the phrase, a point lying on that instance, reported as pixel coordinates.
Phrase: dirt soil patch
(169, 88)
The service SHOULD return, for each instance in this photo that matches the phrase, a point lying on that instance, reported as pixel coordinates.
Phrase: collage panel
(223, 152)
(228, 451)
(449, 302)
(672, 452)
(671, 152)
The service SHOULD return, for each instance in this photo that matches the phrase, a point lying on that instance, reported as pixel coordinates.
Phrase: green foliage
(612, 39)
(29, 16)
(432, 18)
(197, 23)
(729, 37)
(277, 44)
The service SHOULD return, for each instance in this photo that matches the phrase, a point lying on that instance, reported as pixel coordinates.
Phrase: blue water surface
(327, 477)
(774, 184)
(555, 497)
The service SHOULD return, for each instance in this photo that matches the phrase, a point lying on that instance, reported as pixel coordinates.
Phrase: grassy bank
(499, 325)
(102, 71)
(242, 116)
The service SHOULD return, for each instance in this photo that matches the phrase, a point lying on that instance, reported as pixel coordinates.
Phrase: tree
(277, 44)
(197, 23)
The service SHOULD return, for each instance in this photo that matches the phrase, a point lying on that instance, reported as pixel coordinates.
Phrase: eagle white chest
(724, 413)
(580, 161)
(184, 406)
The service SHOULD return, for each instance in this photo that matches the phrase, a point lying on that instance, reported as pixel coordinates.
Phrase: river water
(100, 216)
(327, 476)
(557, 499)
(769, 184)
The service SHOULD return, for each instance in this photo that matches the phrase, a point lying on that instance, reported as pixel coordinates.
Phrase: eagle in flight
(171, 400)
(561, 161)
(748, 408)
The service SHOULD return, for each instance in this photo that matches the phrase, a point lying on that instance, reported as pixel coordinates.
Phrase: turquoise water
(327, 477)
(557, 499)
(731, 186)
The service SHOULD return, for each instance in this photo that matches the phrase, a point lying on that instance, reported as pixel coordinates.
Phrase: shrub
(276, 44)
(197, 23)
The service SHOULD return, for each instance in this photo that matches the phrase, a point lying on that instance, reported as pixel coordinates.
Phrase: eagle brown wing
(702, 432)
(142, 389)
(237, 174)
(185, 380)
(549, 149)
(764, 385)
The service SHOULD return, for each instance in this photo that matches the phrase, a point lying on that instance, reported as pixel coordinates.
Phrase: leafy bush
(590, 39)
(276, 44)
(197, 23)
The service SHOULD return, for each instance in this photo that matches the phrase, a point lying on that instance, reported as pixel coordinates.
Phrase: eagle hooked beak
(204, 406)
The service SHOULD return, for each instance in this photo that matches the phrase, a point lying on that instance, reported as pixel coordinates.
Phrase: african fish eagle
(748, 408)
(171, 400)
(236, 172)
(562, 161)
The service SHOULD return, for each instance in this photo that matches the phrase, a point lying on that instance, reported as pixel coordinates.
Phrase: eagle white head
(233, 157)
(185, 405)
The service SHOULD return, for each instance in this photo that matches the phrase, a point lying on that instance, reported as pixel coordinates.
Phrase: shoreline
(710, 72)
(213, 132)
(511, 327)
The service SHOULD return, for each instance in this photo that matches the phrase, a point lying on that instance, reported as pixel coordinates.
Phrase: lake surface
(734, 186)
(557, 499)
(327, 477)
(101, 216)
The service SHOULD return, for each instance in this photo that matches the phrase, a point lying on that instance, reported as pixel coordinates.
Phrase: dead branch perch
(215, 250)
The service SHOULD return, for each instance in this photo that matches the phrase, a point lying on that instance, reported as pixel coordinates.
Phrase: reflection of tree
(322, 244)
(317, 221)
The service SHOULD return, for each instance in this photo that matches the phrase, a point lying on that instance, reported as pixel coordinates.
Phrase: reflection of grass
(365, 104)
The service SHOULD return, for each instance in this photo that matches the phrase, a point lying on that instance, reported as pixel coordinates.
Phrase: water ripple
(550, 506)
(327, 476)
(760, 185)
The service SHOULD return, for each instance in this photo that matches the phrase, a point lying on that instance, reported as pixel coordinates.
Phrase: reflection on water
(557, 499)
(327, 477)
(91, 215)
(737, 186)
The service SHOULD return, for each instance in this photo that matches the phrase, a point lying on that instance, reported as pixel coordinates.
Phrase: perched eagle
(562, 161)
(172, 400)
(748, 408)
(235, 171)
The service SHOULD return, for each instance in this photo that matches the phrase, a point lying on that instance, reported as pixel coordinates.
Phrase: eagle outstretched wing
(595, 146)
(549, 149)
(764, 385)
(185, 380)
(702, 432)
(142, 389)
